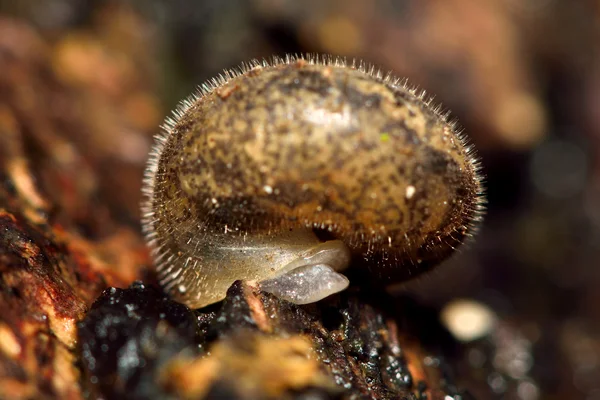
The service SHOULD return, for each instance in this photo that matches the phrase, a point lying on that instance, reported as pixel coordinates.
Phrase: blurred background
(521, 76)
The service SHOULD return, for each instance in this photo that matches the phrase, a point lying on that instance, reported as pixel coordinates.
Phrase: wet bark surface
(137, 343)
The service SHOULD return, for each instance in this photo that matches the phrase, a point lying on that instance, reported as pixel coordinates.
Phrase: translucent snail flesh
(284, 173)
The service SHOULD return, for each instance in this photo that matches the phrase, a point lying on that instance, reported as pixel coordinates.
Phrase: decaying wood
(254, 345)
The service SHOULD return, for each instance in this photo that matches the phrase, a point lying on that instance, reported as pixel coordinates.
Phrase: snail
(284, 173)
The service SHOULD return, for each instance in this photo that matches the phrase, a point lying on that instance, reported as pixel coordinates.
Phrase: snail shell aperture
(284, 173)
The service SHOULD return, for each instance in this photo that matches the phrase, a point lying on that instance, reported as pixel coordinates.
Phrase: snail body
(284, 173)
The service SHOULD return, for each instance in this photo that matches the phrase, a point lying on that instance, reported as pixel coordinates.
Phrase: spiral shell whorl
(308, 143)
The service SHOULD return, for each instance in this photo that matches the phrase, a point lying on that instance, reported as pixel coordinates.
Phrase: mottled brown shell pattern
(312, 143)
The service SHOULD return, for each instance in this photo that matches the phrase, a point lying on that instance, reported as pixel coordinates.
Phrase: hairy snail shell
(286, 172)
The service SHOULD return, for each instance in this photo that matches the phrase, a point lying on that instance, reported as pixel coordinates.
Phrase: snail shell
(284, 172)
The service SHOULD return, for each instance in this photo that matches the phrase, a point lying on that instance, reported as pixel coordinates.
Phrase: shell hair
(286, 172)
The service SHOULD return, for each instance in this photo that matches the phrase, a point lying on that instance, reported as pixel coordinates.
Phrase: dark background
(521, 76)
